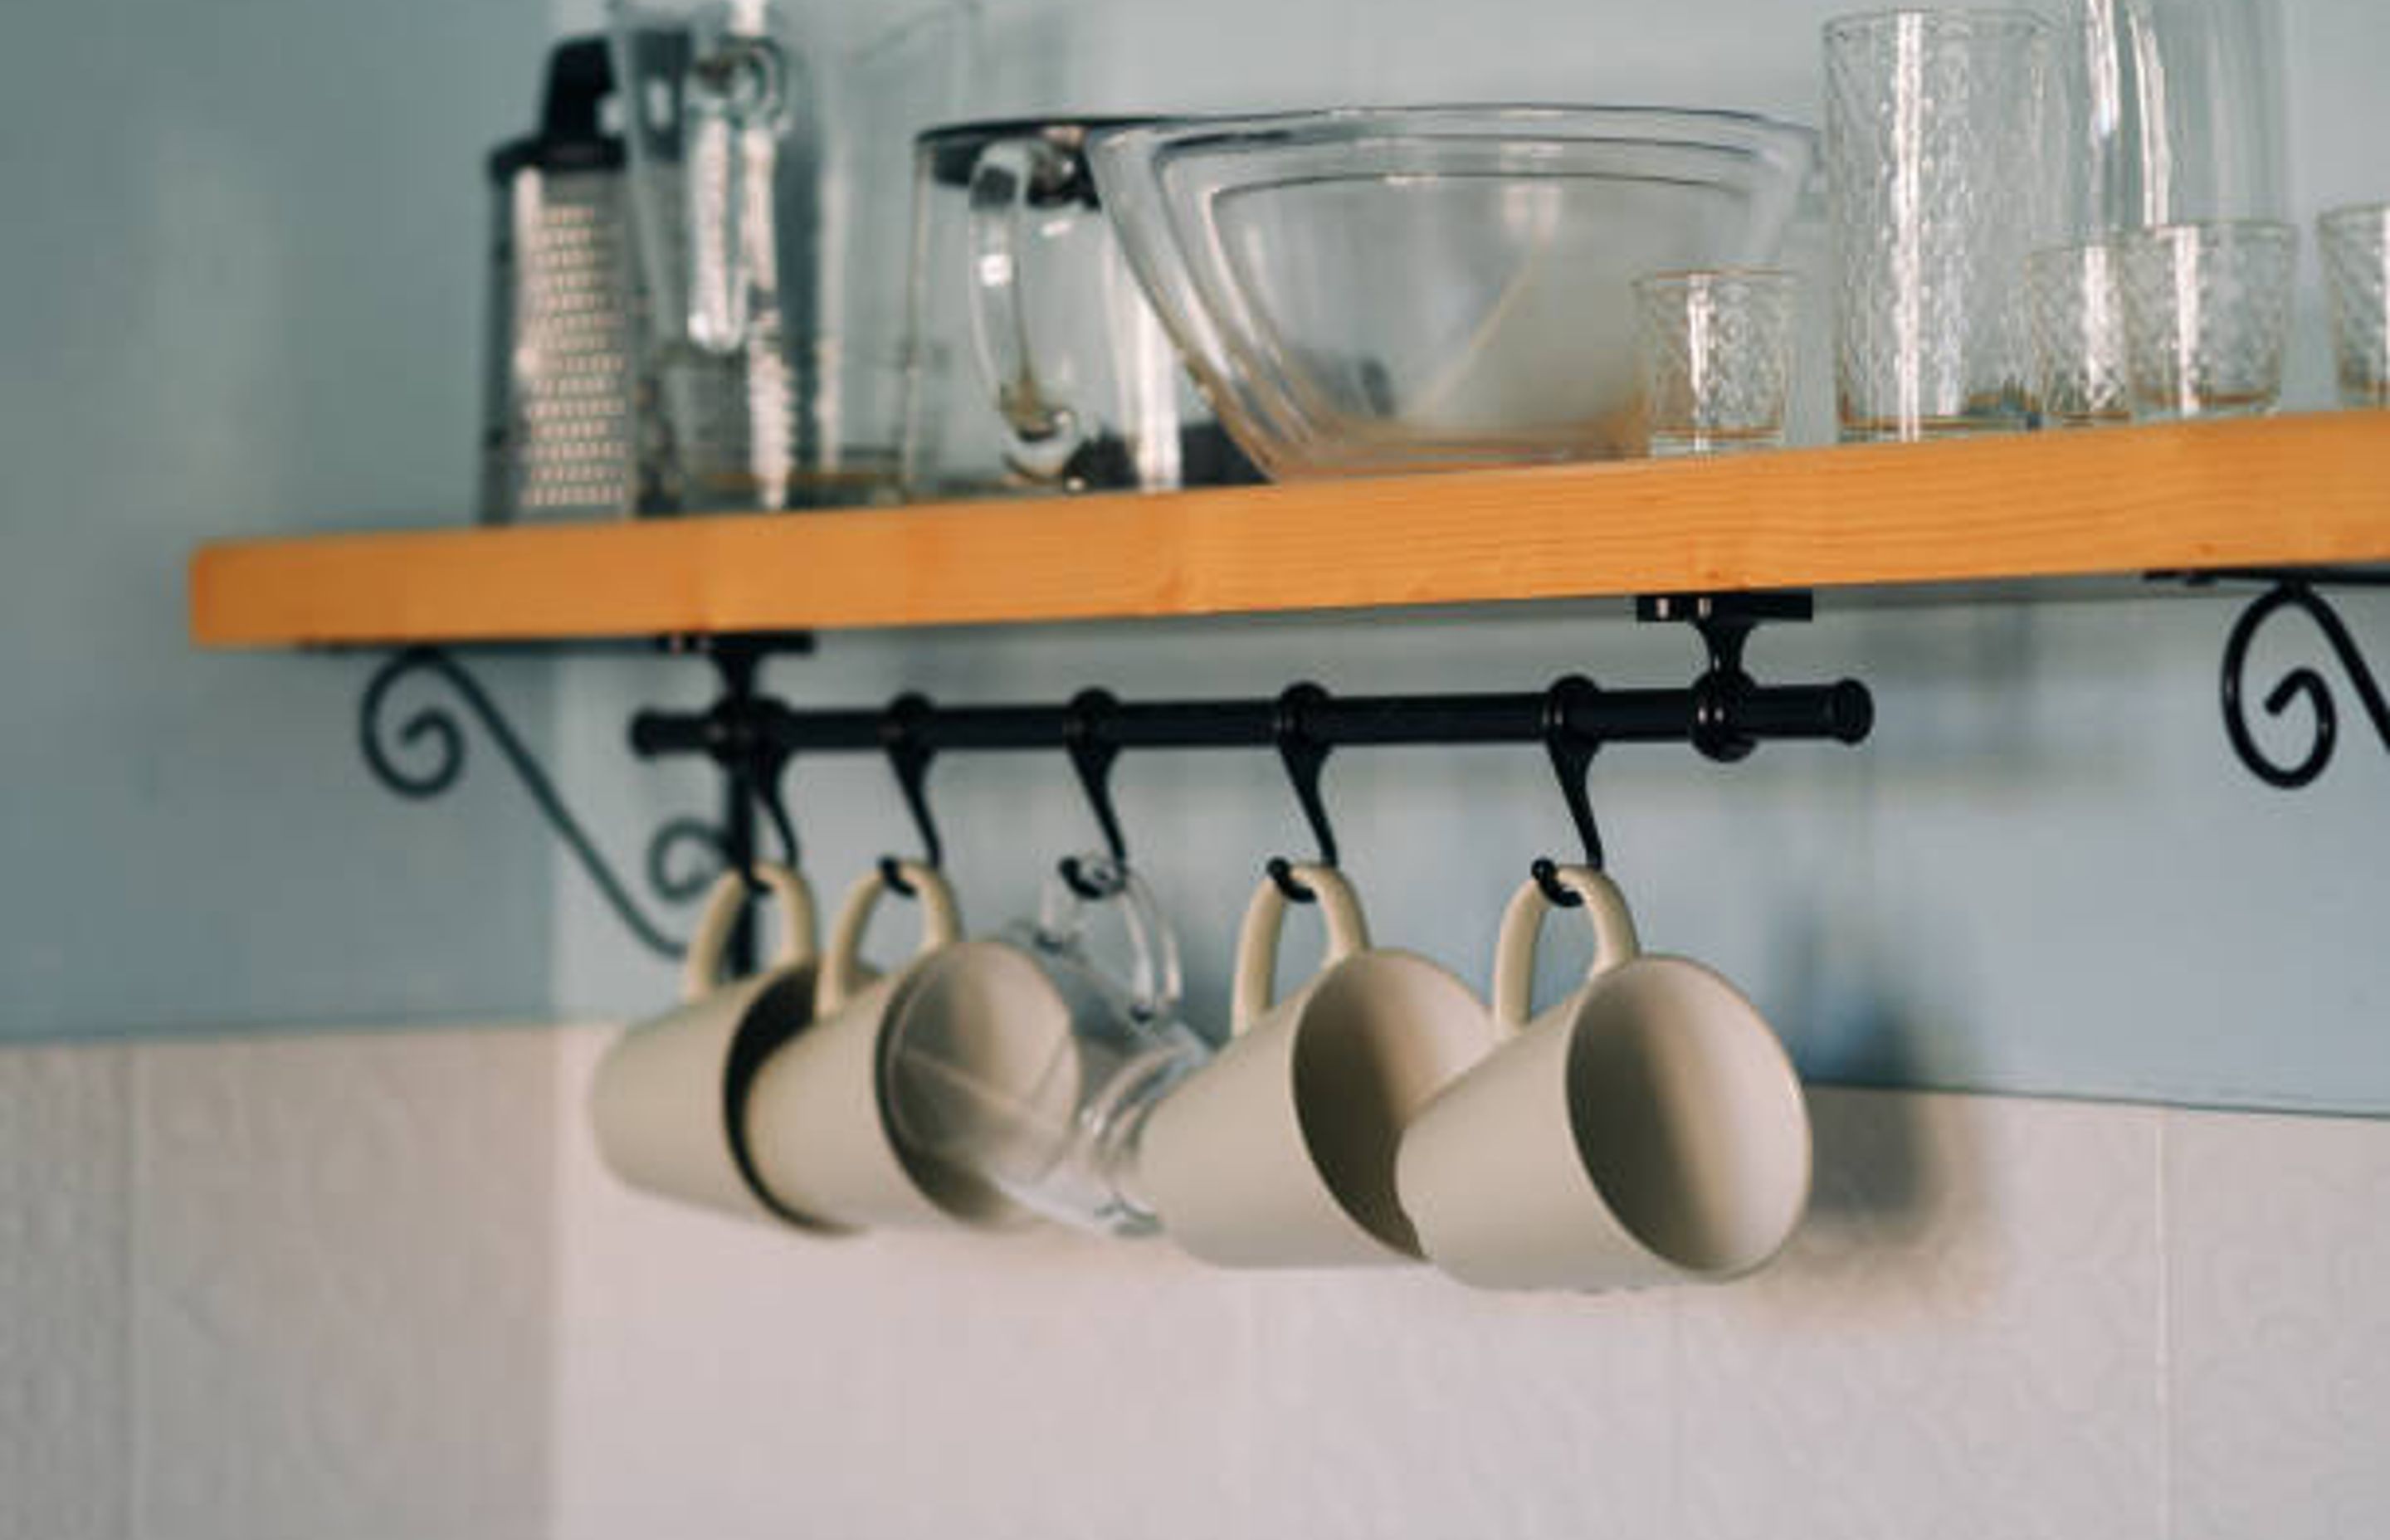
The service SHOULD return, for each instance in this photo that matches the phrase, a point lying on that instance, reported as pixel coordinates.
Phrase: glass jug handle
(736, 105)
(1041, 434)
(1154, 982)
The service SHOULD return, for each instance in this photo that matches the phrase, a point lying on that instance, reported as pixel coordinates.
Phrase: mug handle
(942, 925)
(1514, 954)
(1041, 434)
(1154, 982)
(1257, 942)
(701, 967)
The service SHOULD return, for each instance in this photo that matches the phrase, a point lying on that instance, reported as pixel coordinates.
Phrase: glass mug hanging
(728, 137)
(1032, 362)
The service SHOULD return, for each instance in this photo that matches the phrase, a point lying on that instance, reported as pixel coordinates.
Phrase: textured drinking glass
(2356, 269)
(1934, 139)
(2078, 336)
(1717, 351)
(2207, 311)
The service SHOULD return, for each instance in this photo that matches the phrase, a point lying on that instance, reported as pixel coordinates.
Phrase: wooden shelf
(2296, 491)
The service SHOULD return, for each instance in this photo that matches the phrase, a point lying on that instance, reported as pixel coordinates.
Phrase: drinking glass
(1717, 349)
(2078, 336)
(1934, 143)
(2356, 269)
(2207, 311)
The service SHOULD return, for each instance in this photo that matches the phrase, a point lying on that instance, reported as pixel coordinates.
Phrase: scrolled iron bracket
(2301, 683)
(424, 755)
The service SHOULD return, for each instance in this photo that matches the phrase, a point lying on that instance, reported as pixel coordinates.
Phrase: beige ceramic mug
(667, 1095)
(1648, 1129)
(1281, 1153)
(817, 1126)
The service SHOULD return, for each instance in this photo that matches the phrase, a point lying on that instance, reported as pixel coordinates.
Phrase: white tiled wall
(283, 1289)
(1965, 1341)
(65, 1245)
(2006, 1318)
(2278, 1271)
(379, 1287)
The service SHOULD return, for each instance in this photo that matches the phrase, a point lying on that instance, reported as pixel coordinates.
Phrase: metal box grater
(568, 403)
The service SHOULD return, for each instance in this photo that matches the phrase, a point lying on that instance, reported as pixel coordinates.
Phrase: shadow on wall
(1872, 1176)
(1882, 1216)
(1848, 1013)
(1956, 701)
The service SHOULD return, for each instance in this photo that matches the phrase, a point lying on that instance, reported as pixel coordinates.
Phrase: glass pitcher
(2176, 114)
(1034, 361)
(770, 156)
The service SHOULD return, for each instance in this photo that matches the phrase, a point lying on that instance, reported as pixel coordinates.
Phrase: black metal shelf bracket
(2296, 591)
(442, 765)
(424, 755)
(752, 737)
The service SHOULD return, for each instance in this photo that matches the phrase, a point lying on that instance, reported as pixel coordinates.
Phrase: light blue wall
(242, 294)
(240, 272)
(2047, 872)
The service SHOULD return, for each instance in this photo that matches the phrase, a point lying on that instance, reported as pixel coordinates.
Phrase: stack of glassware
(2073, 224)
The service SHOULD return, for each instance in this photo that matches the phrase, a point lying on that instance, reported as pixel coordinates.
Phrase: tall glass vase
(1935, 147)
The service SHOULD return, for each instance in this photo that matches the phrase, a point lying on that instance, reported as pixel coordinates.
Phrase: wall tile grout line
(2164, 1305)
(134, 1370)
(569, 1109)
(1676, 1380)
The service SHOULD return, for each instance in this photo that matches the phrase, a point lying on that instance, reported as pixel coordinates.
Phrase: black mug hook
(756, 762)
(763, 785)
(900, 737)
(1305, 754)
(1572, 755)
(1091, 756)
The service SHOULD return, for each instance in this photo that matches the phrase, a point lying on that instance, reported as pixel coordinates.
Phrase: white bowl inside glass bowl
(1379, 291)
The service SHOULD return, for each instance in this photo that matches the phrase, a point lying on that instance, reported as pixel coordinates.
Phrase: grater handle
(580, 78)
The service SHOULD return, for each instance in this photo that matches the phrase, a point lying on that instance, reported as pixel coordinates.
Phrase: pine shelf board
(2285, 491)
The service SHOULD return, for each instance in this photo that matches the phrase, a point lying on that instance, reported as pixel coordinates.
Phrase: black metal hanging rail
(1723, 716)
(1723, 729)
(1724, 713)
(750, 736)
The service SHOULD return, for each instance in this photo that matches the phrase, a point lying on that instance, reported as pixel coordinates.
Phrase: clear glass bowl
(1369, 292)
